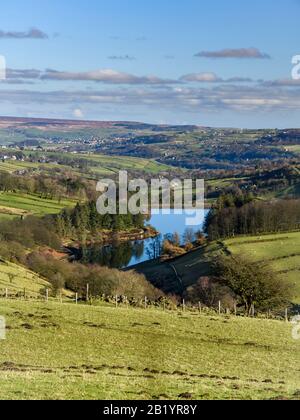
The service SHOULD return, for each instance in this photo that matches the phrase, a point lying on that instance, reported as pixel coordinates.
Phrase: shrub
(101, 280)
(171, 250)
(253, 282)
(12, 251)
(209, 292)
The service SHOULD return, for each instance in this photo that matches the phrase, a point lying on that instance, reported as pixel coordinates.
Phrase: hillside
(213, 149)
(18, 204)
(85, 352)
(17, 278)
(281, 251)
(88, 166)
(176, 275)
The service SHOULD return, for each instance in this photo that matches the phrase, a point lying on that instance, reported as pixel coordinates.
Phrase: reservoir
(127, 254)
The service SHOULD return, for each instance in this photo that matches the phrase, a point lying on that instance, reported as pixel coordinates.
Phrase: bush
(12, 251)
(30, 232)
(172, 250)
(101, 280)
(189, 247)
(110, 282)
(253, 283)
(209, 292)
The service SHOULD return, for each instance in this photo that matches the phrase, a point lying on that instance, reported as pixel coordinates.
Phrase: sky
(218, 63)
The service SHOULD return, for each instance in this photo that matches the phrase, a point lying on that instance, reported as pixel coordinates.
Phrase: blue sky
(220, 63)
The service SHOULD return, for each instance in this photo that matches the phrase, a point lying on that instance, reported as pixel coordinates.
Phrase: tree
(209, 292)
(176, 239)
(200, 238)
(189, 236)
(252, 218)
(253, 283)
(154, 248)
(57, 282)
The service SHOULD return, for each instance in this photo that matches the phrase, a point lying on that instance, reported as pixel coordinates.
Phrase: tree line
(31, 242)
(232, 216)
(85, 218)
(55, 185)
(238, 282)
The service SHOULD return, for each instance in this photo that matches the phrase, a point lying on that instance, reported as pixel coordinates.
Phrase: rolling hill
(87, 352)
(16, 278)
(280, 251)
(14, 205)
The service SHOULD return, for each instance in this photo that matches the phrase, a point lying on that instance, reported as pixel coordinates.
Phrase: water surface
(127, 254)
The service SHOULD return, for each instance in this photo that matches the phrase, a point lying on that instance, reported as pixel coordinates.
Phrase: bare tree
(154, 249)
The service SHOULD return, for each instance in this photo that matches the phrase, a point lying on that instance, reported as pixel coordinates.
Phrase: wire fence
(162, 304)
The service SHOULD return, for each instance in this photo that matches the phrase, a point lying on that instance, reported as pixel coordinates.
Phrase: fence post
(219, 307)
(286, 315)
(76, 298)
(47, 295)
(200, 307)
(87, 292)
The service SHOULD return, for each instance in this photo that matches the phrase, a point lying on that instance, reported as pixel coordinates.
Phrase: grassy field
(116, 163)
(17, 204)
(16, 278)
(281, 251)
(223, 183)
(98, 164)
(12, 166)
(295, 148)
(189, 269)
(55, 351)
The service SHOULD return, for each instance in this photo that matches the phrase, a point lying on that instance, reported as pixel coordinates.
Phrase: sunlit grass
(58, 351)
(281, 251)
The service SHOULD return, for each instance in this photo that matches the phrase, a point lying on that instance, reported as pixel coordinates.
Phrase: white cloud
(200, 77)
(114, 77)
(78, 113)
(210, 77)
(108, 76)
(217, 98)
(282, 83)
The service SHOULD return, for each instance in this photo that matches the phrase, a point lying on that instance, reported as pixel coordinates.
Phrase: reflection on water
(127, 254)
(117, 255)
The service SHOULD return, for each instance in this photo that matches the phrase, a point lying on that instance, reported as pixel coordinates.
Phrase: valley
(90, 283)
